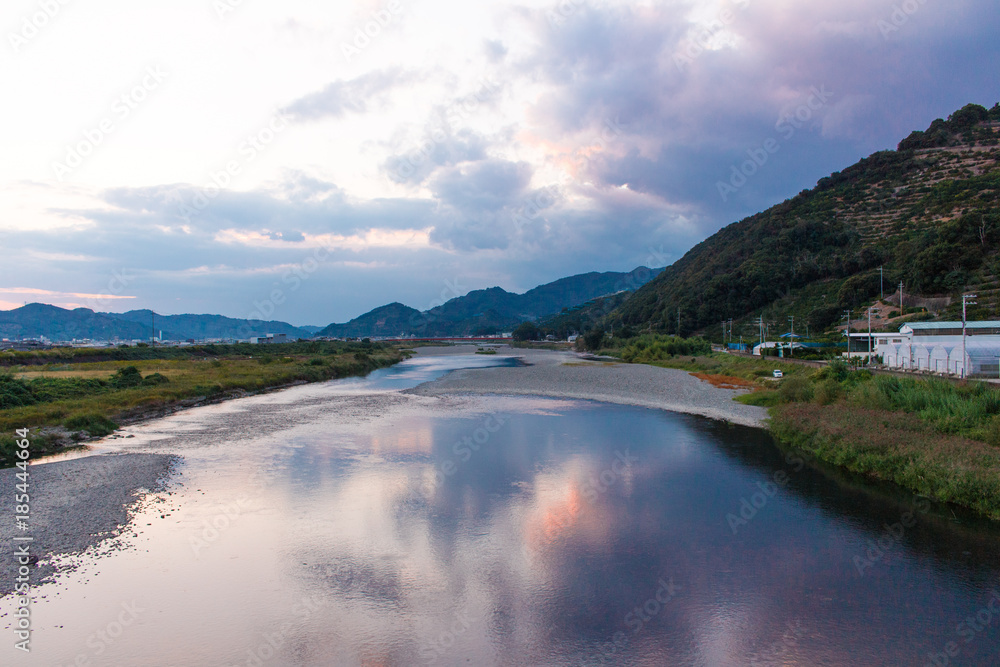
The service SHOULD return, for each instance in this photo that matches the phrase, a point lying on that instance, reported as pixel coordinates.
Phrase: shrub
(154, 379)
(91, 422)
(527, 331)
(764, 399)
(315, 362)
(14, 393)
(828, 391)
(795, 389)
(594, 339)
(126, 377)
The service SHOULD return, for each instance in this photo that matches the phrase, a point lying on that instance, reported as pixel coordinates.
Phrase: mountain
(39, 319)
(59, 324)
(927, 213)
(487, 311)
(183, 327)
(384, 321)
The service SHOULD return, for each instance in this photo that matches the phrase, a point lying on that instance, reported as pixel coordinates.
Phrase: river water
(349, 524)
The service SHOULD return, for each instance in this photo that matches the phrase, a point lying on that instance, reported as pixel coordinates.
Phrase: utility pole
(881, 289)
(900, 297)
(965, 301)
(152, 327)
(870, 335)
(678, 321)
(791, 338)
(847, 332)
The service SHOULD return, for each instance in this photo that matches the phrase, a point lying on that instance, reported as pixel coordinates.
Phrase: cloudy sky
(308, 160)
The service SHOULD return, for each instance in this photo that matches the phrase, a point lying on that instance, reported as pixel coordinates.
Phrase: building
(778, 345)
(269, 339)
(936, 347)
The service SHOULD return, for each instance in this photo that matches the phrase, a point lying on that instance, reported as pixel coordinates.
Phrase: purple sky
(273, 159)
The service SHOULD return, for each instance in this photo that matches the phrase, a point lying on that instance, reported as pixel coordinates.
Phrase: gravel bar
(75, 504)
(567, 375)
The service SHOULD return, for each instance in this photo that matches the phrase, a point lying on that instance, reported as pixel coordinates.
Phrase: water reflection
(555, 535)
(516, 531)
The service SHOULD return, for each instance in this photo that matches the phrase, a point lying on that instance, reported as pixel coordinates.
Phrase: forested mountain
(60, 324)
(39, 319)
(488, 311)
(927, 213)
(182, 327)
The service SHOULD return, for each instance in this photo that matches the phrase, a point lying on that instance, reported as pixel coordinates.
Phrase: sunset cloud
(503, 144)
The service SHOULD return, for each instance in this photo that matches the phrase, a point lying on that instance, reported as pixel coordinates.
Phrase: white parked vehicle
(778, 373)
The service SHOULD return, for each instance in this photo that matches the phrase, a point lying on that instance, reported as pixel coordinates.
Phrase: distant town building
(937, 347)
(269, 339)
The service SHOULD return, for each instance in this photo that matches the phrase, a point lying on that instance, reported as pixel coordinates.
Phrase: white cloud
(418, 154)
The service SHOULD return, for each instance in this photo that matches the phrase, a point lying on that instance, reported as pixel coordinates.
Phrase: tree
(968, 116)
(527, 331)
(128, 376)
(594, 339)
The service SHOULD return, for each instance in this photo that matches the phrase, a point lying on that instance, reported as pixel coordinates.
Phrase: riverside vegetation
(935, 437)
(81, 393)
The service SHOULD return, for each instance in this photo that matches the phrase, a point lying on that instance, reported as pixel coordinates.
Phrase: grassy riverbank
(69, 396)
(934, 437)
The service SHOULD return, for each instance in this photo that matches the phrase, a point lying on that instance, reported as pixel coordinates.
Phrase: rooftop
(983, 324)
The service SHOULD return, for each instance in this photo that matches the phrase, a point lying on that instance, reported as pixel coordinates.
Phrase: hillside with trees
(927, 213)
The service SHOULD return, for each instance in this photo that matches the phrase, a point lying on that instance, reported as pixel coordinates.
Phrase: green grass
(94, 396)
(92, 423)
(933, 437)
(895, 447)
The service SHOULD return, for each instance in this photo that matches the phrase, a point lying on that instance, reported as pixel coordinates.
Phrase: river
(349, 524)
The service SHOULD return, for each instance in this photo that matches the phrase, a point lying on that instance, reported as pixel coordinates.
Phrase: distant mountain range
(480, 311)
(182, 327)
(488, 311)
(38, 319)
